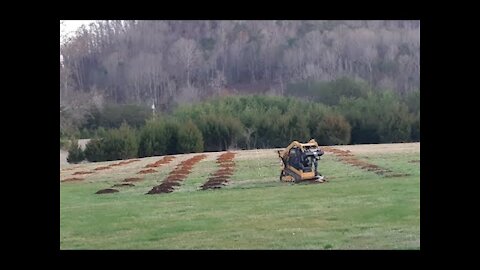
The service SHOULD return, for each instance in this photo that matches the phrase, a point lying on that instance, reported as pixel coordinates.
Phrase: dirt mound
(347, 157)
(73, 179)
(214, 184)
(147, 171)
(125, 162)
(82, 172)
(124, 185)
(221, 177)
(133, 179)
(176, 176)
(160, 162)
(397, 175)
(107, 190)
(102, 168)
(115, 164)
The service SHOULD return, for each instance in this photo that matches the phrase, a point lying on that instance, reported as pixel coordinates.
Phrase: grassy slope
(355, 210)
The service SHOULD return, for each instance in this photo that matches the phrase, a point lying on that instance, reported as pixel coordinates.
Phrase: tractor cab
(300, 161)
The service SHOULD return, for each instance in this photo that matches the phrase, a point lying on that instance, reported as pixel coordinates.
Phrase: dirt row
(72, 179)
(76, 179)
(347, 157)
(221, 177)
(107, 190)
(176, 176)
(127, 182)
(158, 163)
(121, 163)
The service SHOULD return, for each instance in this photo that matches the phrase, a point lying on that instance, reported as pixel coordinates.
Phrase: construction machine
(300, 162)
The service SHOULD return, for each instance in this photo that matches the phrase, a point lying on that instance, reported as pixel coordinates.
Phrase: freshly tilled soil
(102, 168)
(221, 177)
(176, 176)
(107, 190)
(133, 179)
(124, 185)
(397, 175)
(73, 179)
(163, 161)
(82, 172)
(347, 157)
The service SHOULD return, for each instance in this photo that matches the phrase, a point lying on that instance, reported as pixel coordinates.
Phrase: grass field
(356, 209)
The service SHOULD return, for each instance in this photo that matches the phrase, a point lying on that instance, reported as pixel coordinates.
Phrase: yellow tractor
(300, 162)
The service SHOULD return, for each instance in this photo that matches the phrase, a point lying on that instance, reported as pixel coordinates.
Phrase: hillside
(376, 206)
(169, 62)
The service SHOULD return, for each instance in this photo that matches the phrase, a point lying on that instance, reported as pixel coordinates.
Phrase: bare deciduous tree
(136, 61)
(184, 52)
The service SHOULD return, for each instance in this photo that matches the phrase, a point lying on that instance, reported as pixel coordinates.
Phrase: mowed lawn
(356, 209)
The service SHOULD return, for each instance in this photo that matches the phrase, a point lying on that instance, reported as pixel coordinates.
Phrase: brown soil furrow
(124, 185)
(74, 179)
(347, 157)
(133, 179)
(82, 172)
(158, 163)
(107, 190)
(221, 177)
(106, 167)
(124, 162)
(177, 175)
(102, 168)
(397, 175)
(147, 171)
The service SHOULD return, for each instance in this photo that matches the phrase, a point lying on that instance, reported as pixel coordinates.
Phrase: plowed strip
(163, 161)
(74, 179)
(124, 185)
(176, 176)
(107, 190)
(222, 175)
(102, 168)
(83, 172)
(347, 157)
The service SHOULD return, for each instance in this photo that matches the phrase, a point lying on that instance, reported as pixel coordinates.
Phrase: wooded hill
(171, 62)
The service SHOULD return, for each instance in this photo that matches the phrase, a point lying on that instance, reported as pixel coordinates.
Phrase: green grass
(356, 210)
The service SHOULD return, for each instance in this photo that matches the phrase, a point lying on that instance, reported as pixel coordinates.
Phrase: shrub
(190, 138)
(94, 151)
(100, 132)
(158, 137)
(65, 143)
(379, 118)
(84, 134)
(118, 144)
(333, 129)
(171, 127)
(75, 153)
(415, 133)
(152, 141)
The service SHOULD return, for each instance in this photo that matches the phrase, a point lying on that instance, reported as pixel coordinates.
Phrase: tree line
(173, 62)
(259, 121)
